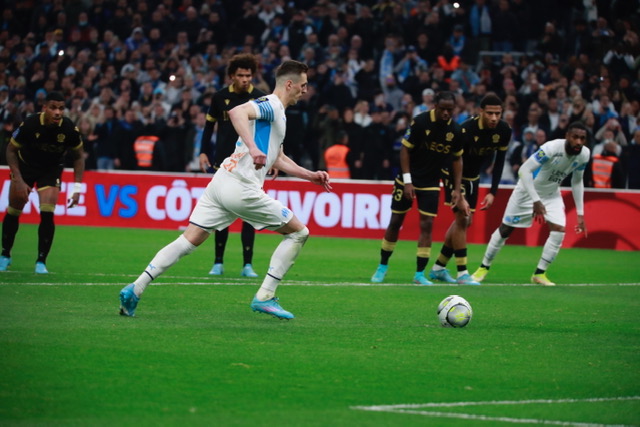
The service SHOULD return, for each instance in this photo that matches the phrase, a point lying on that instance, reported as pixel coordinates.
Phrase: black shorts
(427, 198)
(42, 177)
(469, 189)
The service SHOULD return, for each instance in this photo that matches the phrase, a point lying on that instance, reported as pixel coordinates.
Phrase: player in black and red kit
(486, 137)
(35, 156)
(241, 69)
(432, 142)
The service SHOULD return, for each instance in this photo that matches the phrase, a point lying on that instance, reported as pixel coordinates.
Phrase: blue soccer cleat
(467, 279)
(247, 271)
(441, 275)
(381, 272)
(41, 268)
(217, 270)
(420, 279)
(5, 262)
(271, 307)
(128, 301)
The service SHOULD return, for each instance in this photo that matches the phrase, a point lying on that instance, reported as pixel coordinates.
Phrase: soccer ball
(454, 312)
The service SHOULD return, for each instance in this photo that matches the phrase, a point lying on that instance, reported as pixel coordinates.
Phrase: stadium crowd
(147, 69)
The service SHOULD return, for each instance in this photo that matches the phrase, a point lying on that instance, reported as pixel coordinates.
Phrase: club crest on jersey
(227, 101)
(61, 137)
(495, 138)
(449, 136)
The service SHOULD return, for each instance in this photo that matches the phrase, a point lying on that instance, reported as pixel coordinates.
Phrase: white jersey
(268, 132)
(555, 166)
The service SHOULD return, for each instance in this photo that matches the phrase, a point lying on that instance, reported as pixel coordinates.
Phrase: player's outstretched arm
(577, 190)
(288, 166)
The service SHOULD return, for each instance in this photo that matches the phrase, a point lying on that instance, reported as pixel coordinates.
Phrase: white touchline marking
(123, 279)
(415, 409)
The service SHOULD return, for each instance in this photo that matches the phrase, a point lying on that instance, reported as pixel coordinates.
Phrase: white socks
(281, 261)
(495, 244)
(164, 259)
(551, 249)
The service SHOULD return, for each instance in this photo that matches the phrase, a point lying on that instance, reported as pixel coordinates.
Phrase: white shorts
(226, 199)
(519, 211)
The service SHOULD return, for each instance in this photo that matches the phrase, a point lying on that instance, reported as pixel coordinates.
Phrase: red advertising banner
(354, 208)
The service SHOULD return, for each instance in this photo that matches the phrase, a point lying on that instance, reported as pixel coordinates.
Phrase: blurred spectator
(355, 134)
(427, 102)
(367, 80)
(481, 26)
(128, 129)
(338, 157)
(466, 78)
(633, 160)
(173, 138)
(327, 124)
(615, 133)
(551, 41)
(458, 40)
(377, 148)
(295, 34)
(504, 27)
(105, 144)
(520, 150)
(408, 68)
(193, 140)
(607, 169)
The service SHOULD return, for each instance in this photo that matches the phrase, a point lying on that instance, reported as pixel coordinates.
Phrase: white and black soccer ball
(454, 312)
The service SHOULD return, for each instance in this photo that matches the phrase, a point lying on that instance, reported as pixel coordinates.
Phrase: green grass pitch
(356, 354)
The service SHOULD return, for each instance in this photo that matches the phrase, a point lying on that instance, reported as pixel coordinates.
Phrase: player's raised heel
(5, 262)
(41, 268)
(480, 274)
(381, 272)
(542, 279)
(128, 301)
(441, 275)
(420, 279)
(466, 279)
(217, 270)
(271, 307)
(247, 271)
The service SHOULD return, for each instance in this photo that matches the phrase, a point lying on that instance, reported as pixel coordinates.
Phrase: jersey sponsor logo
(481, 151)
(557, 177)
(438, 147)
(512, 219)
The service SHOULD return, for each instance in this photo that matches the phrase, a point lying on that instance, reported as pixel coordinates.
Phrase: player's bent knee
(300, 236)
(13, 211)
(47, 207)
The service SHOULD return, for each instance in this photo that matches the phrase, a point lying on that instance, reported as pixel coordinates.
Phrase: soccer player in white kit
(537, 197)
(236, 192)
